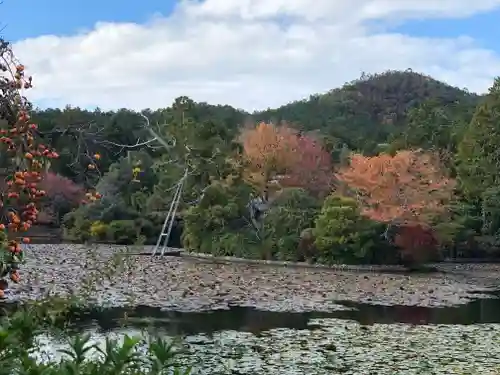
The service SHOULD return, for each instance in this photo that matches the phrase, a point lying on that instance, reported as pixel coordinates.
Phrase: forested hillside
(380, 170)
(362, 114)
(368, 111)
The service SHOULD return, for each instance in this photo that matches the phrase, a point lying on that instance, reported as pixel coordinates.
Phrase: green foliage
(123, 232)
(120, 181)
(490, 211)
(435, 125)
(370, 110)
(18, 333)
(150, 226)
(77, 227)
(378, 113)
(292, 212)
(243, 244)
(341, 234)
(124, 200)
(477, 162)
(219, 224)
(203, 144)
(479, 154)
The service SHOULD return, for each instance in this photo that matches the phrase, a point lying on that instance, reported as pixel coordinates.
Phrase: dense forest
(393, 167)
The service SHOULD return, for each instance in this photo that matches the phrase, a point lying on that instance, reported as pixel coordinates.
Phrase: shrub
(307, 250)
(63, 195)
(222, 210)
(341, 234)
(418, 244)
(291, 213)
(123, 232)
(18, 344)
(76, 227)
(98, 230)
(235, 244)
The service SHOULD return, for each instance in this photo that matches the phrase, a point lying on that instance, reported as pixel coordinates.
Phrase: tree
(436, 126)
(268, 152)
(478, 152)
(478, 161)
(342, 234)
(200, 144)
(279, 156)
(219, 223)
(24, 160)
(292, 212)
(186, 144)
(409, 189)
(311, 167)
(62, 194)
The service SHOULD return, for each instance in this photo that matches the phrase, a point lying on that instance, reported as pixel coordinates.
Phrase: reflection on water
(485, 310)
(247, 319)
(197, 328)
(476, 312)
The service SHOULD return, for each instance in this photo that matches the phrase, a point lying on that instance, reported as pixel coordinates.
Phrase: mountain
(361, 114)
(368, 111)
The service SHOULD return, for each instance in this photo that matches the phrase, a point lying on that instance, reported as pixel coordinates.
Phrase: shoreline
(196, 283)
(443, 266)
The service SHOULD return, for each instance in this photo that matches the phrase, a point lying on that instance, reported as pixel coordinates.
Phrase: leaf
(409, 187)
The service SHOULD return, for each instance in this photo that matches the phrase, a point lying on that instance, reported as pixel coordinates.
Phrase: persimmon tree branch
(25, 161)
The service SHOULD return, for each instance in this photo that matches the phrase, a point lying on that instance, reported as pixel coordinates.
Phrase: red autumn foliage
(57, 186)
(62, 195)
(312, 167)
(280, 153)
(417, 243)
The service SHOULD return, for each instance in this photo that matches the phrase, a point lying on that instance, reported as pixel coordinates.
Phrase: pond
(248, 319)
(281, 320)
(379, 339)
(180, 284)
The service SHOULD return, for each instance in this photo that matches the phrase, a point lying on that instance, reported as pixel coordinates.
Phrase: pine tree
(479, 151)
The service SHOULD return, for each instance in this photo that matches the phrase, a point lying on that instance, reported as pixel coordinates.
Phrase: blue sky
(483, 27)
(66, 17)
(311, 59)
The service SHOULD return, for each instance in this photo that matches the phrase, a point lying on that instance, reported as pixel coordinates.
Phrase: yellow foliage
(98, 229)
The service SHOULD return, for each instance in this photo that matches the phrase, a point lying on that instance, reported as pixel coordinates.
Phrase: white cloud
(328, 10)
(251, 54)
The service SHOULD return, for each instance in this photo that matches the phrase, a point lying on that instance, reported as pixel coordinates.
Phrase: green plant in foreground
(20, 350)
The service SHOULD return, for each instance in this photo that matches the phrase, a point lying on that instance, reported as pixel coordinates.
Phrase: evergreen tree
(479, 153)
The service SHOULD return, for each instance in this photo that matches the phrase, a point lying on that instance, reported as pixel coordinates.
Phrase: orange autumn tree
(24, 160)
(409, 190)
(281, 156)
(267, 153)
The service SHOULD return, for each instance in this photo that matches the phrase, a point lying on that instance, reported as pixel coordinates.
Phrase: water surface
(247, 319)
